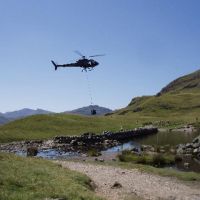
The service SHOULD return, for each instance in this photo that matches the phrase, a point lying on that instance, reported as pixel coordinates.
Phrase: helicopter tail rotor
(56, 66)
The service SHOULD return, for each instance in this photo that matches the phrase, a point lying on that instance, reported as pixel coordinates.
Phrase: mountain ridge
(178, 96)
(186, 82)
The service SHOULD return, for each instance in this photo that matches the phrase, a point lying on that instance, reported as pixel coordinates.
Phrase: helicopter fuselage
(83, 63)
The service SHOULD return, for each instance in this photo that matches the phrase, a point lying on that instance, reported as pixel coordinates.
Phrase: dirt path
(135, 185)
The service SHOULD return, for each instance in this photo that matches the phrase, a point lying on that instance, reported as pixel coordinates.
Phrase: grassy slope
(46, 126)
(184, 83)
(158, 106)
(179, 100)
(29, 178)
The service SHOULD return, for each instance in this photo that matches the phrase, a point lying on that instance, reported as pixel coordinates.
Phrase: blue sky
(147, 43)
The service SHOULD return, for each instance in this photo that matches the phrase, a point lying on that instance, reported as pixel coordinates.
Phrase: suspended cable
(93, 111)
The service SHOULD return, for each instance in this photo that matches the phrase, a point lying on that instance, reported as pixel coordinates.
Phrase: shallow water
(52, 154)
(168, 138)
(160, 139)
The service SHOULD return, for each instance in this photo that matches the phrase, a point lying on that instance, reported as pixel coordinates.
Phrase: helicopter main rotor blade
(97, 55)
(79, 53)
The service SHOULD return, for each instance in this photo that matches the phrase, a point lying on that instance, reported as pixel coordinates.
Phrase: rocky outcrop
(192, 148)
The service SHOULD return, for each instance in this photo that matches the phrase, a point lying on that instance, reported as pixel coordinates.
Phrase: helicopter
(83, 62)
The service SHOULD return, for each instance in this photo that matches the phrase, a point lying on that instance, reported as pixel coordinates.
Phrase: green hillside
(179, 101)
(189, 83)
(47, 126)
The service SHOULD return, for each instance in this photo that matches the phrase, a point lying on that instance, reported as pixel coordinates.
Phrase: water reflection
(125, 146)
(168, 138)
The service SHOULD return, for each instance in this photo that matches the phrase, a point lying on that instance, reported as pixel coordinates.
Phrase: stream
(160, 139)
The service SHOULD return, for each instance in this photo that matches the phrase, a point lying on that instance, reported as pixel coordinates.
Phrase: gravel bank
(133, 183)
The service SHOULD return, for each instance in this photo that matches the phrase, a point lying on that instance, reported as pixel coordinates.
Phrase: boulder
(116, 185)
(186, 165)
(180, 151)
(196, 140)
(32, 151)
(189, 145)
(195, 151)
(196, 145)
(189, 150)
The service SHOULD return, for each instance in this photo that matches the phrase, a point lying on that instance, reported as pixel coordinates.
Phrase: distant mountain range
(24, 113)
(11, 116)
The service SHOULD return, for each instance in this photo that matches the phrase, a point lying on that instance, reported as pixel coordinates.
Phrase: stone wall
(106, 135)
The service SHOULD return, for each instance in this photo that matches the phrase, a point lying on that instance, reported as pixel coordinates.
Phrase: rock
(186, 165)
(180, 151)
(93, 185)
(189, 145)
(147, 148)
(32, 151)
(188, 150)
(116, 185)
(196, 140)
(135, 150)
(74, 142)
(182, 146)
(173, 151)
(195, 151)
(162, 151)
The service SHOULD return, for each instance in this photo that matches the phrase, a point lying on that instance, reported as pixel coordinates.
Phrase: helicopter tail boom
(54, 65)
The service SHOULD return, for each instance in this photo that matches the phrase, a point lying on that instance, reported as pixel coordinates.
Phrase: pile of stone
(192, 149)
(91, 138)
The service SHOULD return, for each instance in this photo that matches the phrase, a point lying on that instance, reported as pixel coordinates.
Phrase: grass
(147, 163)
(47, 126)
(158, 160)
(168, 110)
(35, 179)
(168, 172)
